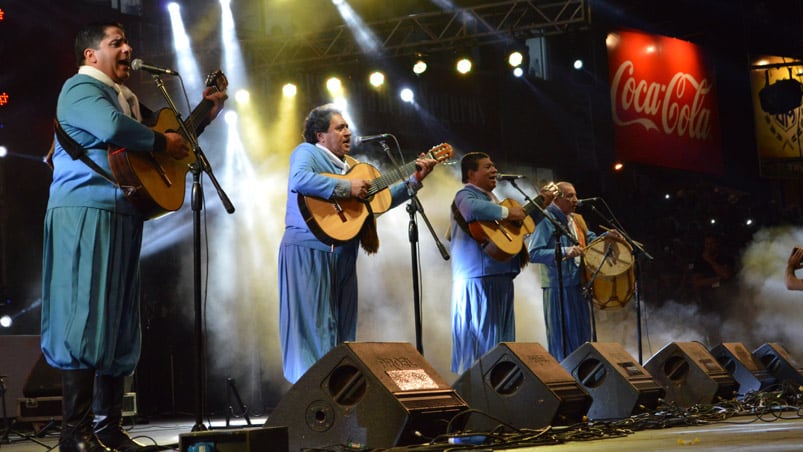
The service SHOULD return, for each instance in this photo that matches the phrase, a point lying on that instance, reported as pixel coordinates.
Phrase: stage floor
(741, 433)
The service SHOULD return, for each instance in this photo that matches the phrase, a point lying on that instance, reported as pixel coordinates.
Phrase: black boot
(109, 414)
(76, 424)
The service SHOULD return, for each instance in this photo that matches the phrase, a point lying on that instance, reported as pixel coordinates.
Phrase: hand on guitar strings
(516, 213)
(359, 188)
(176, 146)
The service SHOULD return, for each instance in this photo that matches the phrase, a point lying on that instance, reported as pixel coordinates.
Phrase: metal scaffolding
(490, 23)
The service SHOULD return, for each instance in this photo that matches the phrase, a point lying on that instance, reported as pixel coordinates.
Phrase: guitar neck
(197, 116)
(391, 177)
(529, 208)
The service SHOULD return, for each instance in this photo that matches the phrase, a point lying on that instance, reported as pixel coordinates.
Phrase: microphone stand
(637, 249)
(559, 230)
(412, 234)
(200, 164)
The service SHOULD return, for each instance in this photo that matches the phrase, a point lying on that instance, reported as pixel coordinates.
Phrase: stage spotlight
(515, 59)
(7, 320)
(230, 117)
(618, 166)
(518, 72)
(335, 87)
(667, 196)
(376, 79)
(242, 96)
(463, 65)
(713, 221)
(289, 90)
(407, 95)
(3, 151)
(419, 67)
(748, 222)
(578, 64)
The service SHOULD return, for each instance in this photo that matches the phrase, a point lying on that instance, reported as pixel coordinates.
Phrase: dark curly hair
(318, 120)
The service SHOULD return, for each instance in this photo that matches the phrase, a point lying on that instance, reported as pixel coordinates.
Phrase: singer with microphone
(92, 238)
(482, 287)
(575, 314)
(318, 280)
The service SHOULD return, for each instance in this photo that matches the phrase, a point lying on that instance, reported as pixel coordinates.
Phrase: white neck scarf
(340, 163)
(125, 97)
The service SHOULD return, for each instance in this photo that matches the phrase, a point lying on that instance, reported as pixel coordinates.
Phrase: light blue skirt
(482, 317)
(91, 290)
(317, 305)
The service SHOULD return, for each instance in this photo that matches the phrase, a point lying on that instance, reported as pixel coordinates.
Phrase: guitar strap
(458, 218)
(77, 152)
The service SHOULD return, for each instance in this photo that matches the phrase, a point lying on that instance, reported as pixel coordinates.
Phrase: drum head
(618, 260)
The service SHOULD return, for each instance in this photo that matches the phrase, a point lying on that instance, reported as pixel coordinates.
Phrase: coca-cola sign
(663, 102)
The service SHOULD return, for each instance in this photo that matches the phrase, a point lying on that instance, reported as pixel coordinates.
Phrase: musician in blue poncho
(575, 314)
(482, 285)
(317, 277)
(92, 240)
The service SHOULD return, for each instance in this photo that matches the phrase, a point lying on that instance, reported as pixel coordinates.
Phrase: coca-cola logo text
(649, 103)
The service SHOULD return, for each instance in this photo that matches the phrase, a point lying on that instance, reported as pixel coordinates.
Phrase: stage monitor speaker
(257, 439)
(751, 375)
(523, 385)
(618, 385)
(779, 363)
(368, 395)
(690, 374)
(43, 380)
(18, 355)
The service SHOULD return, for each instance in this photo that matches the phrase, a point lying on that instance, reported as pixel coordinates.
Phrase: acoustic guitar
(503, 239)
(336, 221)
(154, 181)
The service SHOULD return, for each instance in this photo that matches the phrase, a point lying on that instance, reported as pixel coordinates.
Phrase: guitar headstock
(551, 188)
(218, 80)
(441, 152)
(548, 192)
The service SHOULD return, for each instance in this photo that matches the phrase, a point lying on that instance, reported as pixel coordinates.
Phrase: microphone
(509, 176)
(580, 202)
(138, 65)
(358, 140)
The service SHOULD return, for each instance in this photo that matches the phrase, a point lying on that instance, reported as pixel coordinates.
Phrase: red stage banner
(778, 132)
(663, 102)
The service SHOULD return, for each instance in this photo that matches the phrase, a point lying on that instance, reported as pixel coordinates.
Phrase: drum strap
(580, 228)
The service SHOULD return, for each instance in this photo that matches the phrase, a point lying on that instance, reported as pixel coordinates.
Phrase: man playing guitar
(482, 283)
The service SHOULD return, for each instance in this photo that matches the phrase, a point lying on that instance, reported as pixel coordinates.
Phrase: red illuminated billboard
(663, 102)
